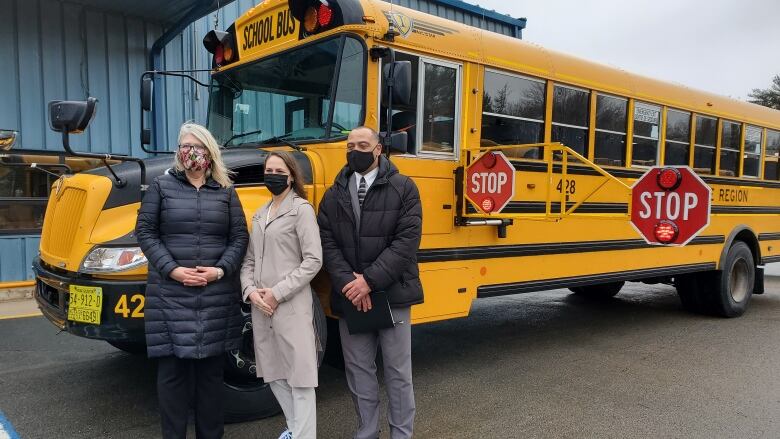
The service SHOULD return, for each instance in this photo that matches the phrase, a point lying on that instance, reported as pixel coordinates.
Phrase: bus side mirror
(71, 117)
(147, 93)
(399, 74)
(7, 139)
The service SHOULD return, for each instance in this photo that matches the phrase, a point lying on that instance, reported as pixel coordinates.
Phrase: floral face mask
(194, 157)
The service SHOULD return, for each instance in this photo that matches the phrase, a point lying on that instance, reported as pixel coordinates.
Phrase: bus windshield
(290, 96)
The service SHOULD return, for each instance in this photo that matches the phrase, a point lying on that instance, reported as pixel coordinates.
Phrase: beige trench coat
(285, 256)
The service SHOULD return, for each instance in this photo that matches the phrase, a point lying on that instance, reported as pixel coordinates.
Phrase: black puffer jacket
(386, 250)
(180, 226)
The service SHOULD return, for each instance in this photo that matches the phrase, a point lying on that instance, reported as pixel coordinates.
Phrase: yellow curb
(22, 284)
(21, 316)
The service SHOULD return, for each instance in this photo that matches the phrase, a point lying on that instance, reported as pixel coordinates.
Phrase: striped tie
(362, 191)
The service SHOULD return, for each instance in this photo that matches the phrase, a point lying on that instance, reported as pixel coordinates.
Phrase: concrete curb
(10, 294)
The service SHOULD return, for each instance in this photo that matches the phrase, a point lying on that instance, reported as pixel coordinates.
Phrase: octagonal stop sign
(490, 182)
(670, 205)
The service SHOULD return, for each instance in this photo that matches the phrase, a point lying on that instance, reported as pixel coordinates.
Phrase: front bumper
(52, 294)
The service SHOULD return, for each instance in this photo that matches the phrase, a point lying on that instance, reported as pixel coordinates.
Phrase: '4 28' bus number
(124, 305)
(569, 188)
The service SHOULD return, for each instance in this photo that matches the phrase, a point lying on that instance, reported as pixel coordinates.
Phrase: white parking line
(6, 429)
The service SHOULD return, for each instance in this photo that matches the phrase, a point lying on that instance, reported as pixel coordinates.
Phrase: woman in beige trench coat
(284, 255)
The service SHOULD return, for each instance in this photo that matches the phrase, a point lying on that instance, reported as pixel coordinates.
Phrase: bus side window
(570, 117)
(731, 135)
(704, 145)
(611, 118)
(678, 137)
(771, 165)
(440, 100)
(513, 113)
(752, 158)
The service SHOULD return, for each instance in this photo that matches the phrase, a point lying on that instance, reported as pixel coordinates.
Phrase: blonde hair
(218, 171)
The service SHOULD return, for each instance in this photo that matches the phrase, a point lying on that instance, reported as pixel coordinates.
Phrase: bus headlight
(111, 259)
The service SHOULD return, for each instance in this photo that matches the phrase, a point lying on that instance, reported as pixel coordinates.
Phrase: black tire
(600, 291)
(129, 347)
(734, 283)
(248, 402)
(724, 293)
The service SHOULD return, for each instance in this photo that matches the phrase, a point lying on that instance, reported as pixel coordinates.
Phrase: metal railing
(558, 155)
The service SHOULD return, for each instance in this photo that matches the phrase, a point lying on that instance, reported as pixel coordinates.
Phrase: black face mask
(276, 183)
(360, 161)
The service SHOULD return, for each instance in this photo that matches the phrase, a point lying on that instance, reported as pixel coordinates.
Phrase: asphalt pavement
(542, 365)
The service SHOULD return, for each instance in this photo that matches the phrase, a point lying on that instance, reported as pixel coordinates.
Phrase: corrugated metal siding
(16, 255)
(56, 50)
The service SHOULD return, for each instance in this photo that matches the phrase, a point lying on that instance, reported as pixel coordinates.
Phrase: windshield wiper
(240, 135)
(281, 139)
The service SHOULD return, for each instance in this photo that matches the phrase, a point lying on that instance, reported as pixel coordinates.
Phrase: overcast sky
(727, 47)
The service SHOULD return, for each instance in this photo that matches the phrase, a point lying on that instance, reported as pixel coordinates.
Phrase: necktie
(362, 191)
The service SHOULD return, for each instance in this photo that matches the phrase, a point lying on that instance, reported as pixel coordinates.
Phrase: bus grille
(64, 222)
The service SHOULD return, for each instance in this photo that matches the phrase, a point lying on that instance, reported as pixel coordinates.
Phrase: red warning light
(669, 178)
(666, 231)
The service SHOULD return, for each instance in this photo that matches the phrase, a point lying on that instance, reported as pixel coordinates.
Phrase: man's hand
(189, 277)
(209, 273)
(364, 304)
(356, 290)
(256, 297)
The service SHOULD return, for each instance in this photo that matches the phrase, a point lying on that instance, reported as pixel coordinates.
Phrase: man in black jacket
(370, 223)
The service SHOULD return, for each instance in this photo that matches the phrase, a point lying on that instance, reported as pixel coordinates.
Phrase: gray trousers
(360, 365)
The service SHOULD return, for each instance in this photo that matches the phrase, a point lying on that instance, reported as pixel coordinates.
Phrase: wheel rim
(241, 367)
(740, 275)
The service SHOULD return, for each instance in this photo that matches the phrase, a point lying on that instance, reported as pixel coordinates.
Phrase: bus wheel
(600, 291)
(129, 347)
(734, 284)
(246, 397)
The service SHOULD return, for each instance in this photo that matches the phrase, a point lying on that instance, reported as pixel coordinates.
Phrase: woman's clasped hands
(264, 300)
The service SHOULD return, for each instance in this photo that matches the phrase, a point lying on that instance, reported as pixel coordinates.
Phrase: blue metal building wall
(56, 50)
(16, 255)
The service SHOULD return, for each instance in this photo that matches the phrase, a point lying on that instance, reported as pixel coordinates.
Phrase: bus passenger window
(731, 135)
(440, 97)
(771, 170)
(647, 123)
(611, 117)
(570, 118)
(752, 158)
(513, 113)
(678, 138)
(704, 145)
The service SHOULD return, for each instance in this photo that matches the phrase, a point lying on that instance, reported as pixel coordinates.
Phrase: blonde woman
(191, 228)
(284, 255)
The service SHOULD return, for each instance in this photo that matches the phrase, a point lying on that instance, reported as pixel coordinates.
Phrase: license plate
(85, 304)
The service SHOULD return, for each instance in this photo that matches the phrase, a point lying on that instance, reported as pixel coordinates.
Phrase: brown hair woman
(283, 257)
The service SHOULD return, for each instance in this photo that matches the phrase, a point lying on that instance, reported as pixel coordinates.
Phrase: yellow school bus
(299, 75)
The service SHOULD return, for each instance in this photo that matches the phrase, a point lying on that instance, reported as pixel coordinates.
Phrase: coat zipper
(202, 289)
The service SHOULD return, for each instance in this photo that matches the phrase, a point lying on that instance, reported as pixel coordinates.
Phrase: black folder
(378, 317)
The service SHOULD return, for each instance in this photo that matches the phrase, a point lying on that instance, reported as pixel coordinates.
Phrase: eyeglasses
(186, 147)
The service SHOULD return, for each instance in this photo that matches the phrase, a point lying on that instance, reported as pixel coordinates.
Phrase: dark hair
(295, 170)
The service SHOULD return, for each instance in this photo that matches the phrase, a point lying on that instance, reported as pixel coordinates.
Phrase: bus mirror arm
(118, 181)
(147, 101)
